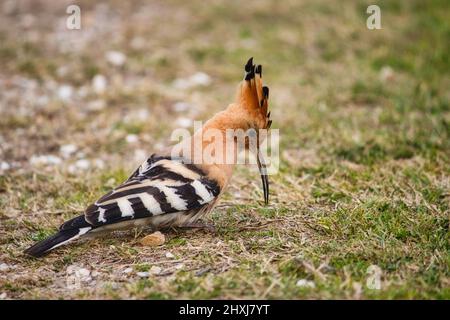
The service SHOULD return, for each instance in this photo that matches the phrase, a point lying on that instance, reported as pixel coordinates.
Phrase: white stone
(181, 106)
(45, 160)
(386, 73)
(142, 114)
(116, 58)
(99, 163)
(67, 150)
(184, 122)
(305, 283)
(127, 270)
(4, 166)
(3, 296)
(4, 267)
(181, 84)
(83, 273)
(169, 255)
(83, 164)
(155, 270)
(197, 79)
(72, 169)
(144, 274)
(200, 79)
(65, 92)
(99, 83)
(132, 138)
(78, 274)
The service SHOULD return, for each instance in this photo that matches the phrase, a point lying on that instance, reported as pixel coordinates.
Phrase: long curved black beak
(264, 177)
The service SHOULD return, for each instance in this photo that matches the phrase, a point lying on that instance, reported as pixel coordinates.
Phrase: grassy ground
(365, 145)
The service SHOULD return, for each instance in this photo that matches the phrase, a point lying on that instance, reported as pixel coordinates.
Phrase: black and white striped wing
(159, 186)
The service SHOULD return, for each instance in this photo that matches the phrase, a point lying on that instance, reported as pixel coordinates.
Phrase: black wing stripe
(140, 209)
(188, 194)
(159, 186)
(122, 194)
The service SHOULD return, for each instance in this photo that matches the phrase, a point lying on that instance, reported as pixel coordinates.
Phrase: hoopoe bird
(174, 191)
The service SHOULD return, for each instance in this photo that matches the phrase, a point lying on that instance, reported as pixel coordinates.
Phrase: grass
(364, 140)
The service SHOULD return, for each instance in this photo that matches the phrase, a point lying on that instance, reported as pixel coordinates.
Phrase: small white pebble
(386, 73)
(4, 166)
(179, 266)
(181, 106)
(99, 83)
(169, 255)
(305, 283)
(71, 269)
(110, 183)
(200, 79)
(67, 150)
(82, 164)
(95, 273)
(99, 163)
(132, 138)
(181, 84)
(72, 169)
(65, 92)
(45, 160)
(143, 274)
(116, 58)
(3, 296)
(139, 115)
(155, 270)
(142, 114)
(83, 273)
(4, 267)
(184, 122)
(127, 270)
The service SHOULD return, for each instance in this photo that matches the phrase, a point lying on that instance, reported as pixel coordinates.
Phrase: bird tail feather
(69, 231)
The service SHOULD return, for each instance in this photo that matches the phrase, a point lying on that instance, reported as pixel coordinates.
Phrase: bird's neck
(213, 147)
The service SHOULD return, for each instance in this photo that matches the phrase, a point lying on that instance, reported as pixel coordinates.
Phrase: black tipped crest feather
(249, 70)
(258, 70)
(266, 92)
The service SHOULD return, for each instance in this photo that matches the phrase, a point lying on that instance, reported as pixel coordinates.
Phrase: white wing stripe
(150, 203)
(202, 192)
(81, 232)
(173, 199)
(101, 215)
(125, 207)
